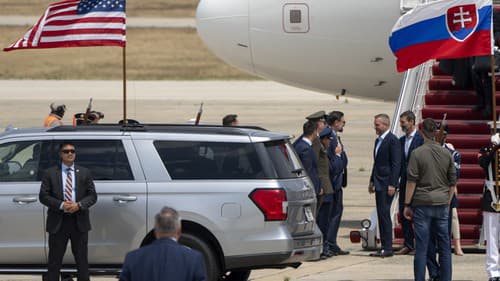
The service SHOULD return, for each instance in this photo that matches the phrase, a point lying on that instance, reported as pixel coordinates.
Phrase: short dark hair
(65, 143)
(334, 116)
(167, 221)
(429, 128)
(228, 119)
(409, 115)
(309, 127)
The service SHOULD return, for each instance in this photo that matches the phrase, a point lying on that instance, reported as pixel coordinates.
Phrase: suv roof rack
(214, 129)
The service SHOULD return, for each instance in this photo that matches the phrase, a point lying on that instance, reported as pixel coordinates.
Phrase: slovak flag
(443, 29)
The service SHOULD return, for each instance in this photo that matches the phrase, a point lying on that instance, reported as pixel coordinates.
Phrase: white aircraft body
(331, 46)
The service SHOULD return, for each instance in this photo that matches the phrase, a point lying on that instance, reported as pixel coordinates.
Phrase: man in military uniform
(324, 211)
(491, 208)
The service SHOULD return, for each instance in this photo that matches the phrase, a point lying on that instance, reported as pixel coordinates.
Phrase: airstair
(468, 132)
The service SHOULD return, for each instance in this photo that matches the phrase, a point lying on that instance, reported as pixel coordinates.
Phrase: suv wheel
(211, 259)
(237, 275)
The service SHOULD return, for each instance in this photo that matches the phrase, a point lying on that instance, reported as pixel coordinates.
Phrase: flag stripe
(109, 25)
(435, 30)
(96, 15)
(414, 55)
(77, 23)
(79, 31)
(76, 37)
(433, 10)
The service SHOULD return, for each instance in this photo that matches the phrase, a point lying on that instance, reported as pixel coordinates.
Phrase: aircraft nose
(223, 27)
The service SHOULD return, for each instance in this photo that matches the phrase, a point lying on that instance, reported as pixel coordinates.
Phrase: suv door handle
(24, 200)
(124, 198)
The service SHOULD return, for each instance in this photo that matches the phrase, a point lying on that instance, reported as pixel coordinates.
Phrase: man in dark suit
(303, 147)
(68, 192)
(164, 259)
(338, 167)
(384, 179)
(411, 140)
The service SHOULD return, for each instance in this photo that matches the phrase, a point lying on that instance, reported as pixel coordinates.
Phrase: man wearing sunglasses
(68, 192)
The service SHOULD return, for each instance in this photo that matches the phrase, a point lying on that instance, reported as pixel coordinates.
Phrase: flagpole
(494, 113)
(124, 87)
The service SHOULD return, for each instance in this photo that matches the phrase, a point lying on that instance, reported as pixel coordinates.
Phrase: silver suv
(244, 200)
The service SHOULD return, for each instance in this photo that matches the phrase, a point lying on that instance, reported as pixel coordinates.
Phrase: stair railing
(411, 97)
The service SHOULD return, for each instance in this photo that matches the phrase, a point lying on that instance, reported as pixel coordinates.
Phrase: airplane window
(295, 16)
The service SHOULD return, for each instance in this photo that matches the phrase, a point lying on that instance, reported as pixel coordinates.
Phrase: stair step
(464, 242)
(467, 127)
(436, 71)
(454, 112)
(470, 216)
(444, 83)
(471, 171)
(469, 202)
(469, 156)
(470, 186)
(469, 231)
(448, 97)
(465, 141)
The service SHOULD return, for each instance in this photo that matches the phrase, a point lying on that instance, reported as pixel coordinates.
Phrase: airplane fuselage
(322, 45)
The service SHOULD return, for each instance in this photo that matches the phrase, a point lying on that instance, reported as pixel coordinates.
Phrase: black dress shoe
(323, 257)
(340, 252)
(330, 254)
(382, 254)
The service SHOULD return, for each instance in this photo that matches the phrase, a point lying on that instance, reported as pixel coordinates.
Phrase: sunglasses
(66, 151)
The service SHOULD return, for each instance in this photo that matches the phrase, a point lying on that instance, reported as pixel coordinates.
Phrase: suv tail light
(272, 203)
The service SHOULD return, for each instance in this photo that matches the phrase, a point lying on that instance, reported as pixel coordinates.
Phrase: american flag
(77, 23)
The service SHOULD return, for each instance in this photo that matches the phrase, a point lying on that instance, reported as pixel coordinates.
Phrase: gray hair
(384, 118)
(167, 221)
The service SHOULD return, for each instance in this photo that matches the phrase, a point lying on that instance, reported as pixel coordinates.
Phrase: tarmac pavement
(25, 103)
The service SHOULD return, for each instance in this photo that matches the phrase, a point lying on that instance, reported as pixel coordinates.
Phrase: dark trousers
(482, 84)
(324, 221)
(406, 225)
(383, 202)
(57, 247)
(337, 209)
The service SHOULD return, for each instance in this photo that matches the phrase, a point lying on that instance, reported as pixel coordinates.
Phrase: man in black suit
(68, 192)
(384, 179)
(338, 179)
(303, 147)
(164, 259)
(409, 141)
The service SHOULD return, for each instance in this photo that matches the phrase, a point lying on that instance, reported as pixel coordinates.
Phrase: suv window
(283, 158)
(220, 160)
(106, 159)
(210, 160)
(23, 160)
